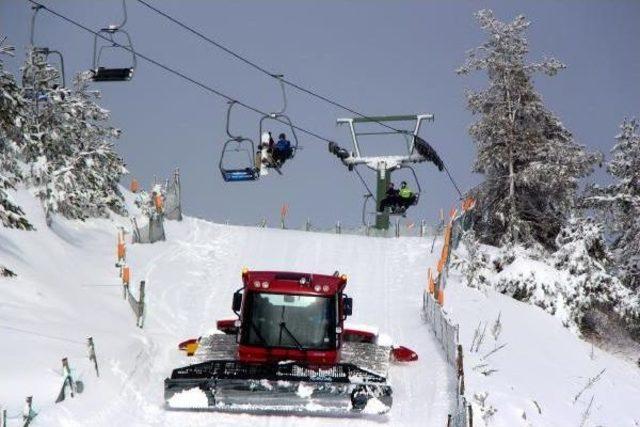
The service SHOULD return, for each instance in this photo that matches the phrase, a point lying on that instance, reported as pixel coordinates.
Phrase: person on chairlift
(264, 156)
(406, 197)
(267, 140)
(391, 198)
(282, 150)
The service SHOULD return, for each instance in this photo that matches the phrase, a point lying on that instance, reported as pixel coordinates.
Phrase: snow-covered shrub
(568, 283)
(474, 265)
(618, 204)
(583, 254)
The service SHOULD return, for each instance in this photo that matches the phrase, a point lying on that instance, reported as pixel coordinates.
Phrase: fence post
(284, 210)
(74, 386)
(141, 305)
(422, 225)
(178, 188)
(397, 227)
(338, 228)
(135, 235)
(92, 354)
(307, 225)
(460, 370)
(367, 228)
(125, 273)
(3, 418)
(66, 371)
(27, 412)
(121, 249)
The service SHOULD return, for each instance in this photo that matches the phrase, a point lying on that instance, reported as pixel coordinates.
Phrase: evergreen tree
(99, 167)
(74, 167)
(619, 203)
(531, 162)
(12, 112)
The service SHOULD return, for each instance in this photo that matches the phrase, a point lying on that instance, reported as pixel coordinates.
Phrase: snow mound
(191, 398)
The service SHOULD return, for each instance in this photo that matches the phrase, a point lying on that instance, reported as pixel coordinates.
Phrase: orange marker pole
(126, 275)
(432, 285)
(135, 185)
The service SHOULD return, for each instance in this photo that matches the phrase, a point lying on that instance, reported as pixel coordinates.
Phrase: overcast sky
(379, 57)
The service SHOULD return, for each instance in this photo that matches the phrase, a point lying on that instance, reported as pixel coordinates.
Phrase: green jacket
(405, 193)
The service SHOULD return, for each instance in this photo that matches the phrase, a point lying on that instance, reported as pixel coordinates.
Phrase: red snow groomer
(287, 351)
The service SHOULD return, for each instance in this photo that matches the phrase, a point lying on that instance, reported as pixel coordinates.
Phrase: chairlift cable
(279, 77)
(176, 72)
(452, 181)
(355, 169)
(217, 92)
(261, 68)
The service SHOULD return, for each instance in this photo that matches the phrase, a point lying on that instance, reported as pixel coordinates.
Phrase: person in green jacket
(406, 197)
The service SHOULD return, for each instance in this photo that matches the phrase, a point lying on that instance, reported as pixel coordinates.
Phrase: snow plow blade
(229, 385)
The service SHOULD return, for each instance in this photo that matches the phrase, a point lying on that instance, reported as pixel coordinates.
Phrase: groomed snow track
(190, 281)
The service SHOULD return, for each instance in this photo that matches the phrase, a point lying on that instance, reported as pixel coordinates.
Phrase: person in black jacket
(391, 198)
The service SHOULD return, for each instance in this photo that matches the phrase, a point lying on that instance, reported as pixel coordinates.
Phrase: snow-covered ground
(535, 378)
(68, 288)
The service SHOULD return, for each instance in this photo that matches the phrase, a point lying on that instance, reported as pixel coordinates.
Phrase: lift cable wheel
(110, 34)
(237, 144)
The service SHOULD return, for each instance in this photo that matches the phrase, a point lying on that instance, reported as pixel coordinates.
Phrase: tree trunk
(512, 193)
(512, 177)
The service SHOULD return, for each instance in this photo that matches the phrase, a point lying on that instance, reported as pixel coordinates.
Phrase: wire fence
(405, 228)
(445, 330)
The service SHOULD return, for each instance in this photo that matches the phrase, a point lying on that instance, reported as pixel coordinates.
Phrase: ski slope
(68, 289)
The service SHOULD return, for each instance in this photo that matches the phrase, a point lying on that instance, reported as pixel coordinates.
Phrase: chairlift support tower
(384, 165)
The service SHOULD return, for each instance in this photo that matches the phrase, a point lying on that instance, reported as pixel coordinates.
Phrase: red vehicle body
(330, 287)
(289, 323)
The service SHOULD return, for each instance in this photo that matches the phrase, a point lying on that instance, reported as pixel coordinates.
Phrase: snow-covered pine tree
(49, 144)
(619, 202)
(530, 161)
(74, 167)
(99, 166)
(12, 112)
(589, 287)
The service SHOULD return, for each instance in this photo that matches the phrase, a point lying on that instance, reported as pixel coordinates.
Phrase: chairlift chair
(395, 210)
(101, 73)
(237, 144)
(282, 118)
(418, 150)
(46, 52)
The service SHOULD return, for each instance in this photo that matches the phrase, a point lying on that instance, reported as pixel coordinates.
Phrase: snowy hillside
(68, 288)
(535, 378)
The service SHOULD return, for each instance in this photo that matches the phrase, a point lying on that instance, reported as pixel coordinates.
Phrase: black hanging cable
(279, 77)
(444, 165)
(355, 169)
(177, 73)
